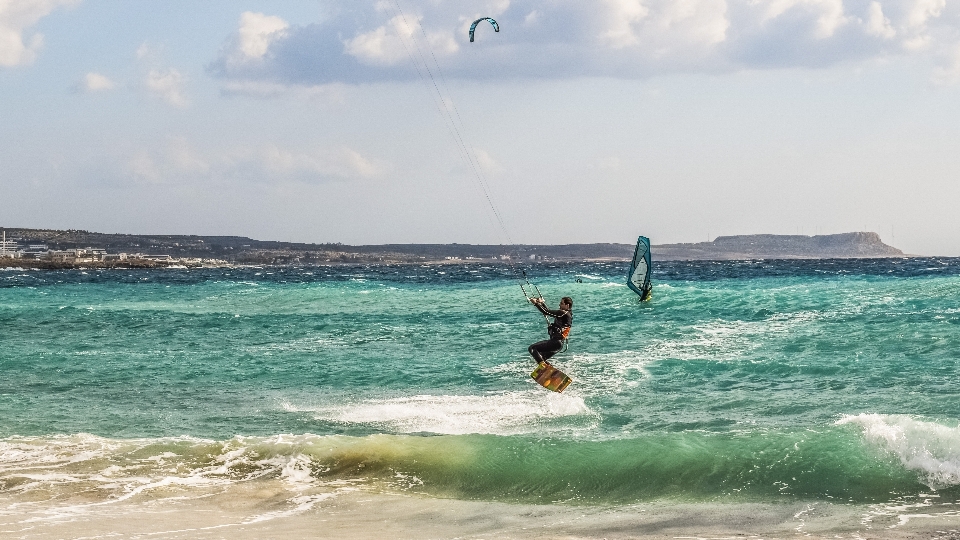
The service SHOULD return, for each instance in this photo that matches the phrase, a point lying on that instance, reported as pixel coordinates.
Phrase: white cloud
(257, 31)
(923, 10)
(320, 164)
(877, 24)
(623, 15)
(393, 42)
(95, 82)
(384, 45)
(919, 16)
(355, 164)
(177, 161)
(831, 17)
(917, 43)
(697, 21)
(329, 93)
(167, 85)
(675, 31)
(486, 162)
(251, 43)
(144, 51)
(16, 17)
(363, 42)
(170, 163)
(829, 13)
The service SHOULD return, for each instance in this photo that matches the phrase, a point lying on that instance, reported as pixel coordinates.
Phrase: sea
(763, 398)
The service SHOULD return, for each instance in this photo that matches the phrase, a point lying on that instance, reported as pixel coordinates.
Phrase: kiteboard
(550, 377)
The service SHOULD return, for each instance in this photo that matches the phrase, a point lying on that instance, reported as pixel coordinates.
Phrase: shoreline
(138, 264)
(35, 264)
(277, 509)
(244, 250)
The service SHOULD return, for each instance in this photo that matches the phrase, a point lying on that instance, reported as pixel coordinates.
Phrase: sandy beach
(267, 510)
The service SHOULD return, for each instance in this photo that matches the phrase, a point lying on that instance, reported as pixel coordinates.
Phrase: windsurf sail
(638, 277)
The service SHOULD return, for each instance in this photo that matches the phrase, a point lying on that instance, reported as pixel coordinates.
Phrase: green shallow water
(833, 380)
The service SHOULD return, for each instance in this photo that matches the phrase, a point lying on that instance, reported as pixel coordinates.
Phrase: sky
(369, 122)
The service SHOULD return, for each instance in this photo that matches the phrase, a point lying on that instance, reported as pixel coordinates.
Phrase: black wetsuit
(541, 351)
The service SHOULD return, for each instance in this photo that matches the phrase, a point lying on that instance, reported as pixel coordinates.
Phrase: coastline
(36, 264)
(192, 250)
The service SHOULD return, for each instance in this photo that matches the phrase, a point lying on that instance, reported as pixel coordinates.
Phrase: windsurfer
(558, 330)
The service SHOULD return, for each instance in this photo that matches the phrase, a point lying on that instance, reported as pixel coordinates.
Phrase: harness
(564, 331)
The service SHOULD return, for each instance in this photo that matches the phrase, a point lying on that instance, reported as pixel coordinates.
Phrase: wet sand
(269, 510)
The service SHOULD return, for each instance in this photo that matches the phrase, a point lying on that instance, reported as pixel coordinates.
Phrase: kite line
(456, 127)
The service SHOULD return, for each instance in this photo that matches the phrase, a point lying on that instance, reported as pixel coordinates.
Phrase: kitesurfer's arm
(541, 305)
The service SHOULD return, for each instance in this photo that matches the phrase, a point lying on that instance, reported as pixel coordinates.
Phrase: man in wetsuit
(541, 351)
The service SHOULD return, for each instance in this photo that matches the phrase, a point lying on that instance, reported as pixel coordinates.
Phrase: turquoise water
(739, 381)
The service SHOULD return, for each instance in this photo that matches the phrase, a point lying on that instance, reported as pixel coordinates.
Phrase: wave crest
(929, 448)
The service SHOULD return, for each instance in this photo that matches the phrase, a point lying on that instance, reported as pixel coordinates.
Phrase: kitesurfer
(559, 329)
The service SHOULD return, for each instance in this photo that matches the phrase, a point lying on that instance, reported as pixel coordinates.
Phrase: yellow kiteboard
(550, 377)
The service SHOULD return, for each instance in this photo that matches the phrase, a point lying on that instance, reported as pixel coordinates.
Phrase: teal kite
(473, 27)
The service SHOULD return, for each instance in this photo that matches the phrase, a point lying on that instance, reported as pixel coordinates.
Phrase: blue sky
(582, 121)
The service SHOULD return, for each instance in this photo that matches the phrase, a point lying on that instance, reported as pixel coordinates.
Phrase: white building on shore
(9, 248)
(15, 250)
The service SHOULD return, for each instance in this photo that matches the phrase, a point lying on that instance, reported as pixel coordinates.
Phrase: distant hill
(243, 250)
(776, 246)
(240, 249)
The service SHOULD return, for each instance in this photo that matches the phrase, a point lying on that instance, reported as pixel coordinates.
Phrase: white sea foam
(56, 468)
(33, 453)
(302, 503)
(726, 340)
(929, 448)
(501, 413)
(607, 373)
(70, 481)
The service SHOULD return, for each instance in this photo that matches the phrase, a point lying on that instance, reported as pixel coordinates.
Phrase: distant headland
(46, 248)
(780, 246)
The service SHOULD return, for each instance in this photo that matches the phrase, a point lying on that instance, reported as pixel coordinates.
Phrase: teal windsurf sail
(638, 277)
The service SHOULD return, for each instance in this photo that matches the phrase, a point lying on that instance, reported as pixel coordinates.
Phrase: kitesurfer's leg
(541, 351)
(534, 351)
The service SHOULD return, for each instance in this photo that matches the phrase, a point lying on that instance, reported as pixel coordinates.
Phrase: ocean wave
(929, 448)
(85, 471)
